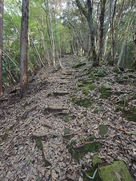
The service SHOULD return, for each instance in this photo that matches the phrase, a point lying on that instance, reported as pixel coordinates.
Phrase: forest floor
(65, 118)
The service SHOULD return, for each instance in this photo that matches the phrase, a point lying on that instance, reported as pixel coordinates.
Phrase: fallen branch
(58, 93)
(55, 109)
(44, 137)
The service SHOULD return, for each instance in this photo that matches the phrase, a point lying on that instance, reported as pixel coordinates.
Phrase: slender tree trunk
(1, 42)
(101, 38)
(112, 32)
(24, 47)
(92, 33)
(50, 33)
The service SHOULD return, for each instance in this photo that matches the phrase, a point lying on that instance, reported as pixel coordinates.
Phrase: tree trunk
(111, 62)
(101, 38)
(50, 32)
(1, 42)
(24, 46)
(92, 33)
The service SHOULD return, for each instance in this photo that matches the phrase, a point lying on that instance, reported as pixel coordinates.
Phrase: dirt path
(39, 114)
(36, 130)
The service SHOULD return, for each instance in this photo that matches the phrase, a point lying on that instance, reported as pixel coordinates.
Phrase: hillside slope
(45, 135)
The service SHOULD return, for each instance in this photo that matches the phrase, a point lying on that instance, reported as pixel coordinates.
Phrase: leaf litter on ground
(22, 157)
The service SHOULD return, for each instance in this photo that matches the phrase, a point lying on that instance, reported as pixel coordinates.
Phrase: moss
(39, 144)
(78, 152)
(101, 72)
(96, 160)
(91, 138)
(105, 91)
(130, 114)
(85, 102)
(66, 118)
(115, 172)
(88, 88)
(103, 130)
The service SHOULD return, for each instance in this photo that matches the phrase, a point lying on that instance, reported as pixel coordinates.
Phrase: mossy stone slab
(117, 171)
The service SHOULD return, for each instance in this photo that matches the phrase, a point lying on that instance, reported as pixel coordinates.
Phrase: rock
(117, 171)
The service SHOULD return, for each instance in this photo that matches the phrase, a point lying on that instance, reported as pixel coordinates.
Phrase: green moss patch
(130, 114)
(101, 72)
(88, 88)
(78, 152)
(117, 171)
(39, 144)
(105, 91)
(66, 118)
(85, 102)
(96, 160)
(103, 130)
(91, 137)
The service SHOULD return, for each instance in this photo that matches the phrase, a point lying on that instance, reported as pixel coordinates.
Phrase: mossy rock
(105, 91)
(117, 171)
(85, 102)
